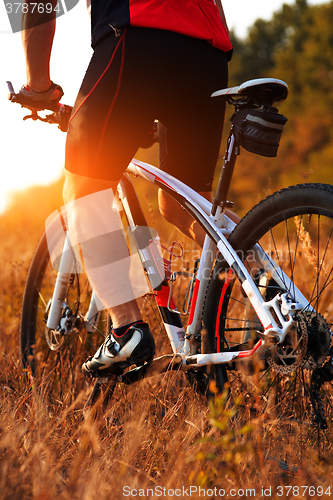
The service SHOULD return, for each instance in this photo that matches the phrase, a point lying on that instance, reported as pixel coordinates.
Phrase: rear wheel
(289, 385)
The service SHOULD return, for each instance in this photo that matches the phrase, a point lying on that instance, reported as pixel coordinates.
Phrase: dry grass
(153, 435)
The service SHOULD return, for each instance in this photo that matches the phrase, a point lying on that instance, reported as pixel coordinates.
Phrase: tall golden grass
(157, 438)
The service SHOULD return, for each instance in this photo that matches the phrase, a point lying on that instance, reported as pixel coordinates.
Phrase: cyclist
(160, 59)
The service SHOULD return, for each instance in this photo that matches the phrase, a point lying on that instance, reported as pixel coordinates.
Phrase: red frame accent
(154, 175)
(162, 297)
(194, 301)
(248, 354)
(219, 310)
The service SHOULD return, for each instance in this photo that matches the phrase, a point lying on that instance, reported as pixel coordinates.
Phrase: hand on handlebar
(38, 101)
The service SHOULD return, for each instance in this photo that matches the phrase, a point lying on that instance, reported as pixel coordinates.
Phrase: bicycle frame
(217, 228)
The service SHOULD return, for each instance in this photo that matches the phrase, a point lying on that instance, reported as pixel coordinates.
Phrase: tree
(296, 46)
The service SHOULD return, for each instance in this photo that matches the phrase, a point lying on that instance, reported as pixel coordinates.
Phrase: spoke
(51, 280)
(238, 301)
(93, 325)
(318, 266)
(277, 254)
(315, 289)
(289, 256)
(324, 287)
(239, 320)
(42, 299)
(317, 297)
(296, 247)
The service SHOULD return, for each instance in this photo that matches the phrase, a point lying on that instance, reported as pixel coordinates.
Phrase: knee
(68, 193)
(77, 186)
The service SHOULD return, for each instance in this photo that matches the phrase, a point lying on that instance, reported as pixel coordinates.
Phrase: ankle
(120, 331)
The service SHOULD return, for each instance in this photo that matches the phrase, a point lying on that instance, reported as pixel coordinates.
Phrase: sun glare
(32, 153)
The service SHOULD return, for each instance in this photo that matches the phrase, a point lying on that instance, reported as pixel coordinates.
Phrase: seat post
(221, 196)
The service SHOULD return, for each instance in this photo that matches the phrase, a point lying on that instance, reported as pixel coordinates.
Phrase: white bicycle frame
(217, 228)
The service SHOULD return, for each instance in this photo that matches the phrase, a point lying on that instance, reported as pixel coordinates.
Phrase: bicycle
(259, 310)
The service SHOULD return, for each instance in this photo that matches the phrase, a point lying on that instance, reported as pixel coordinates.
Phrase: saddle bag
(259, 130)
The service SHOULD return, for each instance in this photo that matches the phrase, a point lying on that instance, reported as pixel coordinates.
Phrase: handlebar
(61, 112)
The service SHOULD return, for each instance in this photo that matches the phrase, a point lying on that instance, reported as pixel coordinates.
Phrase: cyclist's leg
(96, 234)
(110, 118)
(118, 101)
(76, 187)
(173, 213)
(108, 123)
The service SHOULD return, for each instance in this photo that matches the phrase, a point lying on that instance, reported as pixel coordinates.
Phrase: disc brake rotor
(308, 343)
(286, 357)
(319, 340)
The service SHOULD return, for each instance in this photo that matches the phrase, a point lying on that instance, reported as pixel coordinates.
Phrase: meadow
(159, 438)
(156, 438)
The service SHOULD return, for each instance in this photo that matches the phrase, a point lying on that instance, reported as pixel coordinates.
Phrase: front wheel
(289, 385)
(54, 357)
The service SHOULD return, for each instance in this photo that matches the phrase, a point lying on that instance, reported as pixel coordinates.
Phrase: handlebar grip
(61, 112)
(29, 103)
(11, 92)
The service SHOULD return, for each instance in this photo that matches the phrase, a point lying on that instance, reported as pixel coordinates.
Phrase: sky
(33, 152)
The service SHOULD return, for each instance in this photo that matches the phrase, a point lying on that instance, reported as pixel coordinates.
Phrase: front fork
(61, 285)
(59, 315)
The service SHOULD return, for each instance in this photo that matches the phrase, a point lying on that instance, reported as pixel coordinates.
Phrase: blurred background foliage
(296, 46)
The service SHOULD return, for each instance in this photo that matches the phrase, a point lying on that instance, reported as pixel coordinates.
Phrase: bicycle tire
(54, 360)
(289, 386)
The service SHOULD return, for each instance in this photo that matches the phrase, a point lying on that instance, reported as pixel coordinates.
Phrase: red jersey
(194, 18)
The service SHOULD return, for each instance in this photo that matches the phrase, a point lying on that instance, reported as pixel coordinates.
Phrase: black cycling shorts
(143, 75)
